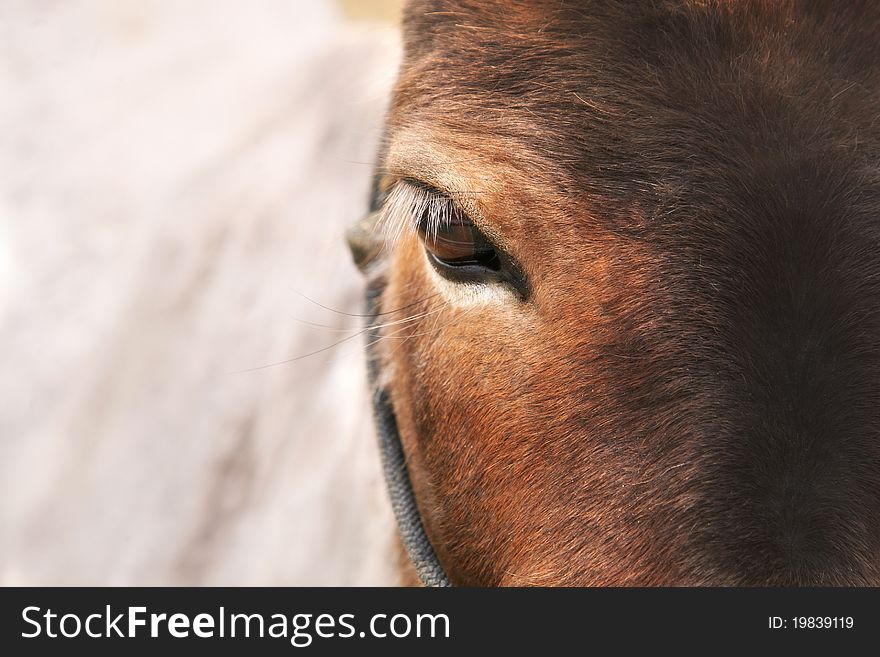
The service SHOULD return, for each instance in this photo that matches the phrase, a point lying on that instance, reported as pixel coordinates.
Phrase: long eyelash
(409, 203)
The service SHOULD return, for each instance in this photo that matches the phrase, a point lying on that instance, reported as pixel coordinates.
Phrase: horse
(623, 276)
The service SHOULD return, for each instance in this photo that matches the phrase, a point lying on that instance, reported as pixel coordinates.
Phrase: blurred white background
(175, 180)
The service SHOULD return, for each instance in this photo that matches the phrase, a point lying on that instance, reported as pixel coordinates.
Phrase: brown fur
(690, 393)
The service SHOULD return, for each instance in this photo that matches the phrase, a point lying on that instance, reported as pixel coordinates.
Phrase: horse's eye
(456, 248)
(458, 244)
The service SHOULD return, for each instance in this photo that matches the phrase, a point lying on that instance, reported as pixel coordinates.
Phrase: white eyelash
(405, 207)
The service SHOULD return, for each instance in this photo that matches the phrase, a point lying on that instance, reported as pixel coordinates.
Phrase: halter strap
(403, 501)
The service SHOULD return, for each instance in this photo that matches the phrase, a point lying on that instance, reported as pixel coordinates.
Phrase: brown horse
(628, 321)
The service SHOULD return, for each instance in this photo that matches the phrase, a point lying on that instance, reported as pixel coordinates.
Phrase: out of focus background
(175, 182)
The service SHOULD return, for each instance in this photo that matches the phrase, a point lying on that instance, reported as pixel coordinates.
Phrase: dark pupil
(460, 244)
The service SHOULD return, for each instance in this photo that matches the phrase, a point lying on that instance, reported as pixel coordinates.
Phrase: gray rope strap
(403, 501)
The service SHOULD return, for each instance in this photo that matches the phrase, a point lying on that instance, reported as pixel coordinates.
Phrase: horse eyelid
(405, 204)
(410, 203)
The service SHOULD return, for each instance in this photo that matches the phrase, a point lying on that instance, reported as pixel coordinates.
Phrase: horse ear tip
(363, 242)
